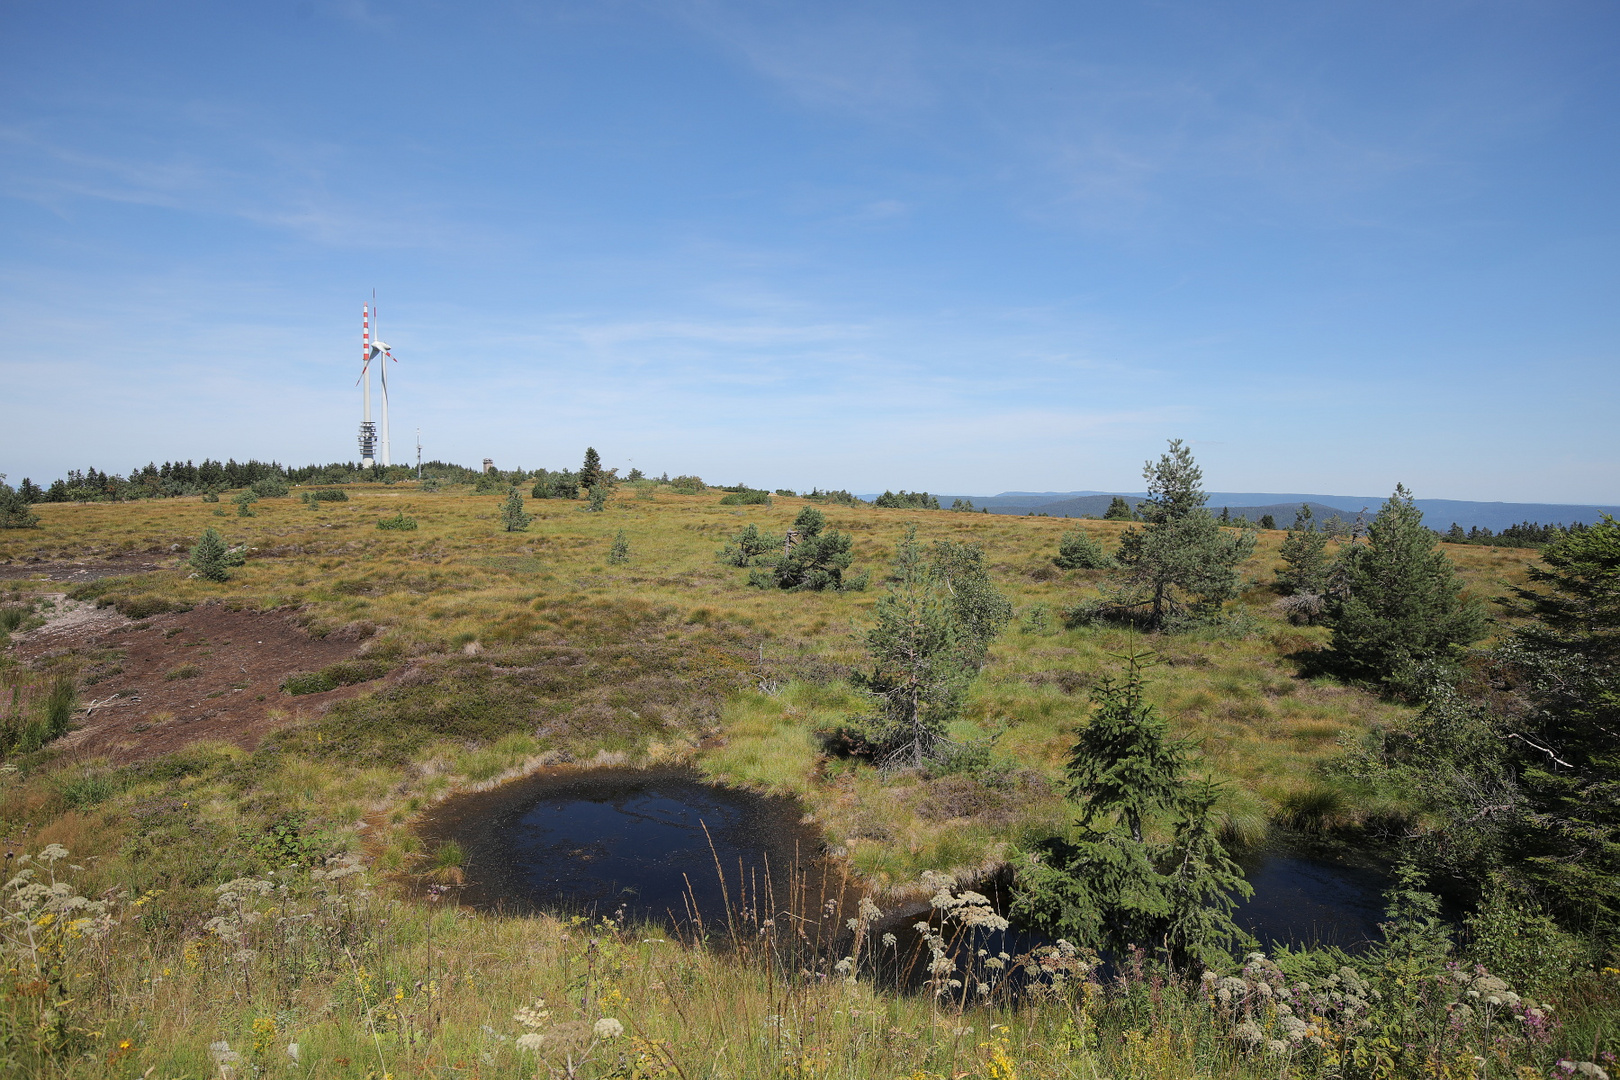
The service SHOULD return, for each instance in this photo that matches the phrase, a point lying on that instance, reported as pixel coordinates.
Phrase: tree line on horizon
(175, 479)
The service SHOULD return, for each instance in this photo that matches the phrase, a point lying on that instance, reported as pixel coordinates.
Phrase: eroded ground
(154, 685)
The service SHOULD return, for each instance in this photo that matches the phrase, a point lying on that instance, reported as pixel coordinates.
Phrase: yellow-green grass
(460, 579)
(420, 989)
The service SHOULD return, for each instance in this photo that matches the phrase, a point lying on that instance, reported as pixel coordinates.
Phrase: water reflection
(654, 842)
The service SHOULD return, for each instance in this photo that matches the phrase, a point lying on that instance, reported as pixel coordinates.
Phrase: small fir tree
(1401, 603)
(1079, 551)
(1119, 510)
(212, 558)
(244, 501)
(1113, 887)
(980, 610)
(596, 498)
(1305, 558)
(619, 552)
(513, 519)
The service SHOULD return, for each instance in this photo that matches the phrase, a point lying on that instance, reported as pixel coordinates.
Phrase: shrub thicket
(688, 485)
(271, 487)
(906, 500)
(747, 497)
(327, 495)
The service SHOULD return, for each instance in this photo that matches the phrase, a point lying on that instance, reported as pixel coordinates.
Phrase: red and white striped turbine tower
(371, 350)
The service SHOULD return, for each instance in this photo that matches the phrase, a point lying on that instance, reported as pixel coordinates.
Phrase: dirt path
(154, 685)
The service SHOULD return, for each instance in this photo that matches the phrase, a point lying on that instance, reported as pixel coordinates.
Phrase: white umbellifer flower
(889, 940)
(607, 1028)
(533, 1016)
(532, 1040)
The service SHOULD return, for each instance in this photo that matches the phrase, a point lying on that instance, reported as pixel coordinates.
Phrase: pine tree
(1402, 604)
(590, 473)
(816, 561)
(918, 677)
(619, 552)
(980, 610)
(748, 545)
(1181, 559)
(14, 509)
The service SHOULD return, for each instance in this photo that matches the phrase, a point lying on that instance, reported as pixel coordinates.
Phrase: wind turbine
(371, 350)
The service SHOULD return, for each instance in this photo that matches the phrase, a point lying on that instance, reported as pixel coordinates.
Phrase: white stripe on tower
(365, 334)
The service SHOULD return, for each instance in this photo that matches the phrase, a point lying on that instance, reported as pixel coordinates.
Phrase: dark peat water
(654, 842)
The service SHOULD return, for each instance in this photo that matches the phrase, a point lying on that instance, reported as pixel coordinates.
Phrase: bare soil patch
(155, 685)
(78, 571)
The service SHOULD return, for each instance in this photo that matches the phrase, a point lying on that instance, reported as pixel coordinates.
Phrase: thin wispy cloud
(927, 245)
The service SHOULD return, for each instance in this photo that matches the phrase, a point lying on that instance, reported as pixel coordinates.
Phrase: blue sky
(960, 247)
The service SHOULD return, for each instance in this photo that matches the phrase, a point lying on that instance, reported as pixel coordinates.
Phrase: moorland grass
(510, 650)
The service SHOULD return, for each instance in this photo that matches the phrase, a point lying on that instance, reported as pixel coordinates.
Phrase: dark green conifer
(1400, 602)
(590, 473)
(1114, 888)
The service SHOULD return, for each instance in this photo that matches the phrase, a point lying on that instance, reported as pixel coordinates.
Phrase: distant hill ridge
(1437, 513)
